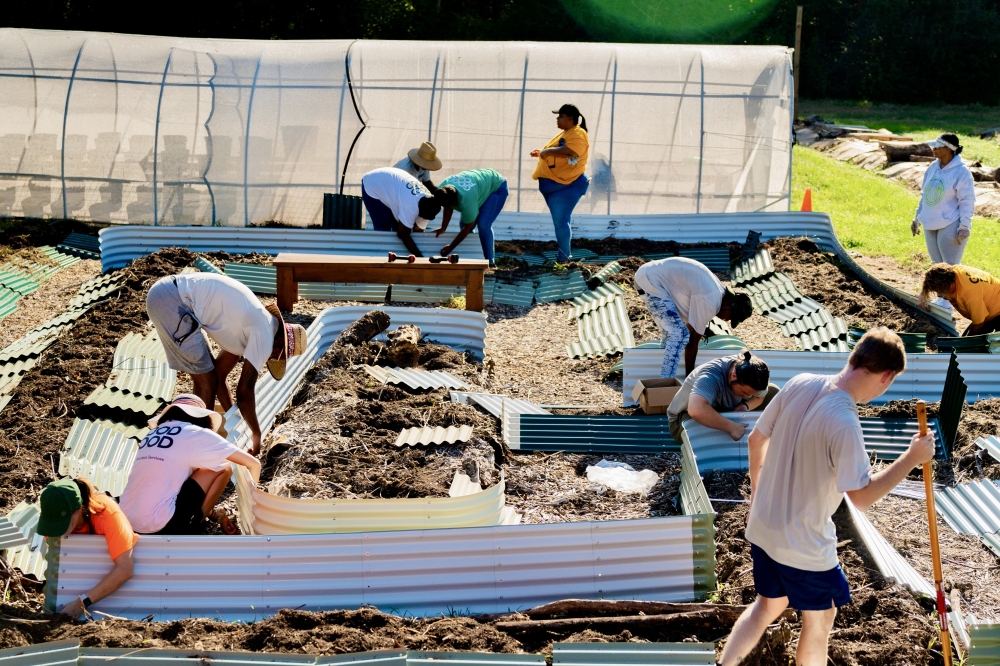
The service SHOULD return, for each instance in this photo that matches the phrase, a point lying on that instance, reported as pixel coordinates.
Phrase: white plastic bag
(622, 477)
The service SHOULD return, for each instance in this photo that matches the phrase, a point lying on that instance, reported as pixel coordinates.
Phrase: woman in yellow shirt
(560, 172)
(974, 293)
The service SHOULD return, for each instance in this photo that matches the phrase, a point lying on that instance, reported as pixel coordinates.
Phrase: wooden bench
(295, 268)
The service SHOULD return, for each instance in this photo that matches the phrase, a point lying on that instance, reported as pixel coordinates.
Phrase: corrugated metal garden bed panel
(609, 269)
(973, 508)
(520, 293)
(991, 445)
(633, 654)
(206, 266)
(794, 311)
(606, 320)
(715, 258)
(332, 291)
(597, 433)
(259, 279)
(603, 346)
(413, 572)
(805, 324)
(83, 242)
(560, 286)
(496, 405)
(10, 536)
(411, 293)
(416, 379)
(438, 435)
(590, 300)
(102, 451)
(64, 256)
(753, 268)
(55, 653)
(890, 563)
(29, 558)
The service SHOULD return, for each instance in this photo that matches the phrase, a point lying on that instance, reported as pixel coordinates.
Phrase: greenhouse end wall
(154, 130)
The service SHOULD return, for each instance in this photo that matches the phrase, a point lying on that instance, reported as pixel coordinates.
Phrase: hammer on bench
(393, 257)
(451, 259)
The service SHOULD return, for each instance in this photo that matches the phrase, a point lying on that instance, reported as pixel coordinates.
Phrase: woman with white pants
(947, 201)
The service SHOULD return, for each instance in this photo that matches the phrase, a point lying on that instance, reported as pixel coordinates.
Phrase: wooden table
(295, 268)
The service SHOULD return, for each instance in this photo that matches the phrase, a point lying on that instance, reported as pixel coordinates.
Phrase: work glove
(915, 227)
(962, 234)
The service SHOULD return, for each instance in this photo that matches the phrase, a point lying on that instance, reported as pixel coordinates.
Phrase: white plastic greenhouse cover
(160, 130)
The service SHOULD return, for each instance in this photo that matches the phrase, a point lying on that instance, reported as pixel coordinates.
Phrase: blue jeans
(561, 200)
(672, 327)
(382, 218)
(488, 213)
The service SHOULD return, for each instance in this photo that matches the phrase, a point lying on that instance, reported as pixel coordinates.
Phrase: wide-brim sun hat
(294, 343)
(425, 156)
(191, 405)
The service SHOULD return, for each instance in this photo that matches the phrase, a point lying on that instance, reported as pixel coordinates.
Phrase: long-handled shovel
(935, 548)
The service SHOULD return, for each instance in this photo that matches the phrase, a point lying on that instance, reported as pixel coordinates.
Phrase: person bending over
(395, 200)
(229, 313)
(479, 195)
(806, 452)
(180, 471)
(974, 293)
(73, 506)
(730, 384)
(682, 296)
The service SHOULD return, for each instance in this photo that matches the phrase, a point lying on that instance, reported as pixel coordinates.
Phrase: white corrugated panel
(633, 654)
(497, 404)
(10, 536)
(469, 570)
(981, 373)
(29, 558)
(422, 658)
(56, 653)
(890, 563)
(437, 435)
(924, 376)
(120, 245)
(460, 329)
(102, 451)
(416, 379)
(262, 513)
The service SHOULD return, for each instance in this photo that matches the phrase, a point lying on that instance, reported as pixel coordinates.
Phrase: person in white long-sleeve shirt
(947, 201)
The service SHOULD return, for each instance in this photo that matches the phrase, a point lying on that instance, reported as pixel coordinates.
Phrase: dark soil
(607, 246)
(33, 427)
(20, 233)
(882, 626)
(822, 277)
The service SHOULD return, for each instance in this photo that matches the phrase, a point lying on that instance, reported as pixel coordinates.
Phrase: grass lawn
(920, 122)
(872, 215)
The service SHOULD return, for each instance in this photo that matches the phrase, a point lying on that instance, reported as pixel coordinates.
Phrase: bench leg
(288, 289)
(474, 291)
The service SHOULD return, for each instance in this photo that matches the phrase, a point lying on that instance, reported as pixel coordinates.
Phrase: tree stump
(402, 351)
(900, 151)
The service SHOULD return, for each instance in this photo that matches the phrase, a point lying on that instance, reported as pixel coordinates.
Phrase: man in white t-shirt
(395, 200)
(186, 307)
(419, 162)
(180, 471)
(683, 295)
(806, 452)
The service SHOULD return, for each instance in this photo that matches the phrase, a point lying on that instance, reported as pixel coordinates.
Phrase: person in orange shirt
(73, 506)
(560, 172)
(974, 293)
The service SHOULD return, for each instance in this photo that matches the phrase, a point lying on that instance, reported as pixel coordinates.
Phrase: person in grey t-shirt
(729, 384)
(419, 163)
(807, 452)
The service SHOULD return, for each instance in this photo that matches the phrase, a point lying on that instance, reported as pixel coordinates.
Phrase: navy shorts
(806, 590)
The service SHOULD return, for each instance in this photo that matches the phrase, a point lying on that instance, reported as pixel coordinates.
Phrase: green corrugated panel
(720, 327)
(715, 258)
(658, 255)
(520, 293)
(560, 286)
(576, 254)
(992, 541)
(606, 321)
(973, 344)
(825, 337)
(633, 654)
(603, 433)
(56, 653)
(914, 343)
(611, 268)
(94, 290)
(985, 647)
(63, 256)
(412, 293)
(805, 324)
(952, 402)
(724, 342)
(754, 268)
(792, 311)
(12, 372)
(489, 284)
(264, 280)
(206, 266)
(259, 279)
(530, 259)
(83, 242)
(589, 300)
(8, 301)
(421, 658)
(76, 253)
(17, 280)
(331, 291)
(603, 346)
(694, 497)
(189, 657)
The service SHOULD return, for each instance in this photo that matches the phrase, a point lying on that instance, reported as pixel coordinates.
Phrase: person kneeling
(180, 471)
(730, 384)
(73, 506)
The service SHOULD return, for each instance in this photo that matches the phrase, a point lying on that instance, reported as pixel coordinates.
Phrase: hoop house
(155, 130)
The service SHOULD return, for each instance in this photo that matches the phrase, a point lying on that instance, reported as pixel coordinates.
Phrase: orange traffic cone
(807, 201)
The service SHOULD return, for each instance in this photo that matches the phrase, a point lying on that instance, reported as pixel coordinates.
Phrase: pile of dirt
(882, 626)
(607, 246)
(822, 277)
(34, 425)
(220, 257)
(21, 233)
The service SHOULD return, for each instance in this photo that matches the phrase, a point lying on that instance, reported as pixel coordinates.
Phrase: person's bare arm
(247, 402)
(248, 461)
(564, 151)
(753, 402)
(921, 450)
(446, 213)
(459, 237)
(691, 351)
(121, 572)
(404, 235)
(701, 410)
(757, 449)
(224, 364)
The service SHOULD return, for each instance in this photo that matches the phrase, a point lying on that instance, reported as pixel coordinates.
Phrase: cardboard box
(654, 395)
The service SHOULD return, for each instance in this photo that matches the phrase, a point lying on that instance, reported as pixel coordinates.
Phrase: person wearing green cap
(73, 506)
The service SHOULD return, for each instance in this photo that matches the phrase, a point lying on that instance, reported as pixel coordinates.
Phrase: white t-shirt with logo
(693, 288)
(398, 190)
(167, 457)
(230, 314)
(816, 454)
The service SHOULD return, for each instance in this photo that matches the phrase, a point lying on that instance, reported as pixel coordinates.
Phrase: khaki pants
(677, 425)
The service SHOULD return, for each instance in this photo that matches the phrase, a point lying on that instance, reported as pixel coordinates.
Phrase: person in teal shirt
(479, 195)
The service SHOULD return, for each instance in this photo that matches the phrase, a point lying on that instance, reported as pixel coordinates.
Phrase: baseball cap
(568, 110)
(59, 501)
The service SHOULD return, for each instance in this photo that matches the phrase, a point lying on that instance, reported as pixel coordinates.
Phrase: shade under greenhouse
(129, 129)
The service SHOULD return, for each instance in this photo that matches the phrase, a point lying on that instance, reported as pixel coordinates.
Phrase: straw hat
(294, 343)
(425, 156)
(191, 405)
